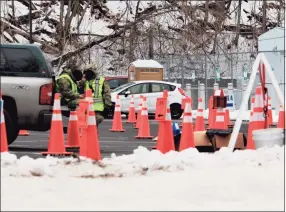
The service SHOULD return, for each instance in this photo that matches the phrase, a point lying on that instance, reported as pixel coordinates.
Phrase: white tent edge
(260, 58)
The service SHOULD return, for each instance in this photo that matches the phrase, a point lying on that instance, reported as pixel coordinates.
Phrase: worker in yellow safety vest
(100, 90)
(68, 85)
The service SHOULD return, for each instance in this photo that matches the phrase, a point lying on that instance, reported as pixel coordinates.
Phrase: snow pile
(141, 162)
(147, 180)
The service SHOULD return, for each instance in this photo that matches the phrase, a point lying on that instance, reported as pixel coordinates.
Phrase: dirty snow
(147, 180)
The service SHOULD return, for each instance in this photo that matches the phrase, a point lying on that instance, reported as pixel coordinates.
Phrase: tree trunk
(61, 28)
(151, 43)
(264, 16)
(235, 41)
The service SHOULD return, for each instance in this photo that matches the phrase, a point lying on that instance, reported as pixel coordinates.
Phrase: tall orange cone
(250, 143)
(187, 136)
(165, 142)
(83, 132)
(269, 112)
(73, 131)
(219, 115)
(23, 133)
(93, 147)
(136, 125)
(131, 114)
(144, 125)
(257, 119)
(4, 141)
(227, 117)
(161, 123)
(56, 145)
(200, 122)
(281, 118)
(117, 119)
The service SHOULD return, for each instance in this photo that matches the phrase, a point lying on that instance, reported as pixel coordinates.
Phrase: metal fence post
(189, 89)
(201, 94)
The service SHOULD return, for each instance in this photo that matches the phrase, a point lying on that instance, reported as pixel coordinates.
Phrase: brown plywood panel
(223, 141)
(201, 139)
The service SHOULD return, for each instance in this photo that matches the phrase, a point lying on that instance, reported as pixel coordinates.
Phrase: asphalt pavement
(110, 142)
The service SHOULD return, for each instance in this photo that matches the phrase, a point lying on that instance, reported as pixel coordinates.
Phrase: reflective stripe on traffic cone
(4, 141)
(187, 136)
(73, 131)
(56, 145)
(117, 119)
(257, 119)
(200, 122)
(281, 118)
(144, 125)
(131, 114)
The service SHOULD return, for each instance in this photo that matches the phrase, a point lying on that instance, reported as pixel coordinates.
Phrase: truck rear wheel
(12, 129)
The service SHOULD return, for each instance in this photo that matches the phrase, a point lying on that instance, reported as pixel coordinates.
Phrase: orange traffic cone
(136, 125)
(56, 144)
(73, 131)
(269, 113)
(144, 125)
(250, 143)
(117, 120)
(165, 142)
(4, 141)
(257, 119)
(187, 137)
(23, 133)
(281, 118)
(219, 115)
(200, 122)
(83, 132)
(92, 144)
(131, 114)
(227, 117)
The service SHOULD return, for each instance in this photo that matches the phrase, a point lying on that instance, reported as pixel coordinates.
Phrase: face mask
(77, 75)
(89, 75)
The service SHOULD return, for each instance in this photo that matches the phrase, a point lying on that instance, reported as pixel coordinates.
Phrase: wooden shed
(145, 70)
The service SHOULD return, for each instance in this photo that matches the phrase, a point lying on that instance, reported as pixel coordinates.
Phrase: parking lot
(110, 142)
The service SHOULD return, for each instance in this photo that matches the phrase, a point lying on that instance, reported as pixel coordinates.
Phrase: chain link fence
(227, 68)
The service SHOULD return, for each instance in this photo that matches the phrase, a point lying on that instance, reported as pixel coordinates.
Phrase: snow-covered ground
(147, 180)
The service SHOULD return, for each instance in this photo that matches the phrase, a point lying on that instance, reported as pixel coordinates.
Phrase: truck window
(19, 60)
(2, 62)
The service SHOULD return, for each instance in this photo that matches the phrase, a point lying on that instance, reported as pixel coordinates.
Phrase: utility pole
(151, 43)
(30, 21)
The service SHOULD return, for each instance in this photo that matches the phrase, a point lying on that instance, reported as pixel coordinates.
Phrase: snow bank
(147, 180)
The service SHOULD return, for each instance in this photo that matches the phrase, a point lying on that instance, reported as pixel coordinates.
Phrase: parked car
(151, 89)
(117, 81)
(27, 88)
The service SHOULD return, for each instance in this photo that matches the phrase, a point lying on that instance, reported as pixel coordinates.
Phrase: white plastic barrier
(268, 137)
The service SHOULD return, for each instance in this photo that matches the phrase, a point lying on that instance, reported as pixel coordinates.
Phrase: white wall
(274, 40)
